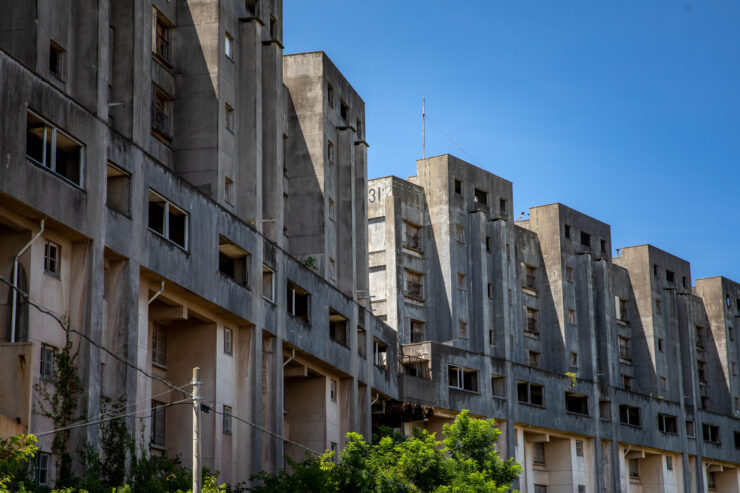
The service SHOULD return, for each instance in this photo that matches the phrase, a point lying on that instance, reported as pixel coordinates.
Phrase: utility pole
(196, 398)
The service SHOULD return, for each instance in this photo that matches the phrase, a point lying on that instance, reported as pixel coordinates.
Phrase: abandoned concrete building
(183, 194)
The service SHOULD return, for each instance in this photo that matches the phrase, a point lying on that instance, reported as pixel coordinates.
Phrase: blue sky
(626, 110)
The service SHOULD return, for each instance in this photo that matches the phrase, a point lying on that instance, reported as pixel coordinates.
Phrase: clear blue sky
(627, 110)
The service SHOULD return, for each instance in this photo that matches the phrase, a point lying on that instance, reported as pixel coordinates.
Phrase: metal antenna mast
(423, 128)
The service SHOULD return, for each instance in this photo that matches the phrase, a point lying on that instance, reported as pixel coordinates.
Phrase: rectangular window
(488, 243)
(53, 149)
(626, 382)
(579, 448)
(710, 433)
(567, 231)
(532, 326)
(690, 429)
(660, 345)
(229, 117)
(159, 345)
(233, 261)
(667, 423)
(480, 197)
(572, 317)
(622, 310)
(701, 371)
(462, 378)
(530, 393)
(658, 307)
(462, 329)
(56, 60)
(380, 353)
(332, 270)
(298, 302)
(332, 212)
(711, 481)
(228, 339)
(229, 46)
(168, 220)
(540, 488)
(670, 276)
(634, 468)
(42, 469)
(229, 195)
(655, 270)
(569, 276)
(629, 415)
(461, 281)
(576, 403)
(669, 462)
(605, 410)
(603, 246)
(359, 129)
(538, 453)
(458, 187)
(585, 239)
(330, 95)
(333, 390)
(684, 282)
(412, 239)
(343, 109)
(414, 284)
(161, 112)
(118, 189)
(737, 439)
(46, 369)
(533, 358)
(334, 449)
(530, 279)
(503, 207)
(460, 233)
(625, 349)
(490, 291)
(338, 327)
(52, 259)
(663, 384)
(574, 359)
(581, 488)
(162, 34)
(699, 331)
(158, 423)
(417, 330)
(268, 283)
(330, 151)
(498, 385)
(227, 420)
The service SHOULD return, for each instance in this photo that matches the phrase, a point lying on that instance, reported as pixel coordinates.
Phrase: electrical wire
(68, 328)
(458, 146)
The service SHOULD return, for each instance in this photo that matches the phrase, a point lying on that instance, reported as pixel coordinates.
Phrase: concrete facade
(185, 195)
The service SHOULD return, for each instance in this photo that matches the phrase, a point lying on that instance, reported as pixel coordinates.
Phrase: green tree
(465, 461)
(15, 454)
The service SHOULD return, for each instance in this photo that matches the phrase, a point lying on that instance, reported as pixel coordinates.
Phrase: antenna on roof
(423, 128)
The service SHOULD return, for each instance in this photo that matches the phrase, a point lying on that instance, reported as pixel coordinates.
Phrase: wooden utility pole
(196, 430)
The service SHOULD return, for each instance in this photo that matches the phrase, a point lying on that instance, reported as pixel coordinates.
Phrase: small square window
(56, 60)
(229, 116)
(229, 46)
(227, 420)
(52, 259)
(228, 336)
(480, 197)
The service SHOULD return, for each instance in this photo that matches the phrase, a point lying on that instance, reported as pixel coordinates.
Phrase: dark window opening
(338, 327)
(330, 95)
(417, 330)
(667, 423)
(52, 258)
(655, 270)
(413, 237)
(498, 385)
(168, 220)
(158, 423)
(629, 415)
(480, 197)
(462, 378)
(343, 110)
(53, 149)
(576, 403)
(361, 342)
(603, 246)
(488, 246)
(530, 393)
(567, 231)
(458, 187)
(159, 345)
(538, 453)
(298, 302)
(233, 262)
(163, 31)
(605, 410)
(737, 439)
(710, 433)
(503, 206)
(273, 29)
(670, 276)
(414, 284)
(532, 327)
(380, 353)
(161, 110)
(530, 278)
(268, 283)
(585, 239)
(634, 468)
(56, 60)
(118, 190)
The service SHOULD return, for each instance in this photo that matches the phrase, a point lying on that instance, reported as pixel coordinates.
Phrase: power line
(458, 146)
(132, 413)
(68, 328)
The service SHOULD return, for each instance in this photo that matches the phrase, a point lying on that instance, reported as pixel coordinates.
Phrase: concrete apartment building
(180, 192)
(604, 373)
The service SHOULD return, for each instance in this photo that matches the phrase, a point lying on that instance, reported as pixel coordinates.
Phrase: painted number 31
(374, 194)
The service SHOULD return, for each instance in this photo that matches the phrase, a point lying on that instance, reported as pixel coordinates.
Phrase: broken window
(462, 378)
(603, 246)
(567, 231)
(574, 359)
(634, 468)
(571, 317)
(380, 353)
(629, 415)
(228, 341)
(343, 109)
(667, 423)
(462, 329)
(585, 239)
(268, 283)
(338, 327)
(46, 367)
(461, 281)
(530, 393)
(298, 302)
(530, 279)
(660, 345)
(417, 368)
(162, 34)
(117, 189)
(605, 410)
(480, 197)
(52, 258)
(538, 453)
(361, 341)
(158, 423)
(498, 385)
(56, 60)
(534, 358)
(532, 326)
(488, 243)
(670, 276)
(168, 220)
(622, 310)
(414, 284)
(569, 276)
(460, 233)
(710, 433)
(458, 187)
(233, 261)
(53, 149)
(576, 403)
(417, 330)
(503, 206)
(159, 345)
(330, 95)
(226, 424)
(625, 350)
(412, 239)
(229, 117)
(161, 113)
(626, 382)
